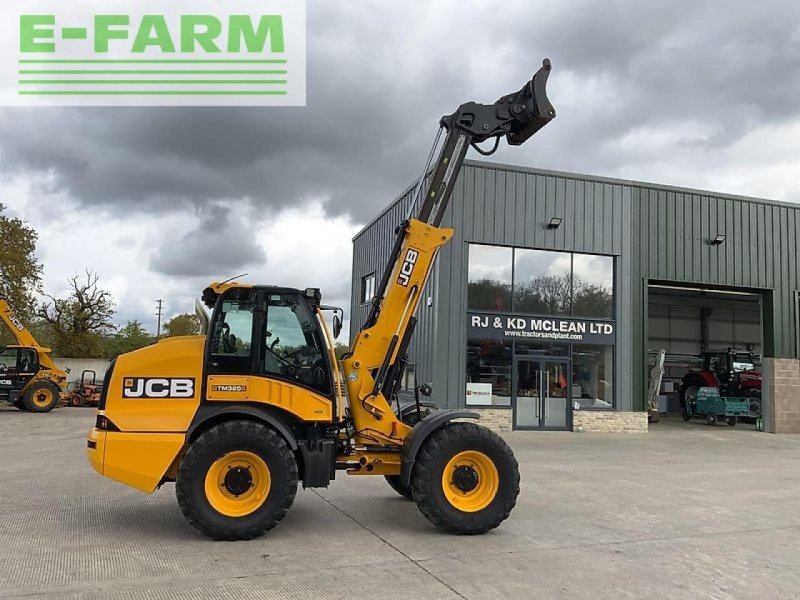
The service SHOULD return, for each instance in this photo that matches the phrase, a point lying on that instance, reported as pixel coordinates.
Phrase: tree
(185, 324)
(129, 338)
(20, 271)
(78, 322)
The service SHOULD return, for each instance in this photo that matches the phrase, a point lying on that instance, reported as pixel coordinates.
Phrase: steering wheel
(302, 350)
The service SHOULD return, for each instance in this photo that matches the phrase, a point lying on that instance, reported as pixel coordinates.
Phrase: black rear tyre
(397, 486)
(237, 481)
(465, 479)
(41, 397)
(731, 421)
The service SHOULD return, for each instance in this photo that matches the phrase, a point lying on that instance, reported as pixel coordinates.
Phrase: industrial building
(545, 309)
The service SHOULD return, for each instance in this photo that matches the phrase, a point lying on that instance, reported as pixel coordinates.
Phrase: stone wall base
(781, 395)
(609, 421)
(496, 419)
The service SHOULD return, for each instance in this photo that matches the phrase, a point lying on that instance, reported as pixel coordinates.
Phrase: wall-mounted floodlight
(718, 240)
(554, 223)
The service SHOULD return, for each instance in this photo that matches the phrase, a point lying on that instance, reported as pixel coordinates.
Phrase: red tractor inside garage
(731, 371)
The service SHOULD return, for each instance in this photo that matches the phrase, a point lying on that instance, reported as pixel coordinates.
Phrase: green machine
(709, 404)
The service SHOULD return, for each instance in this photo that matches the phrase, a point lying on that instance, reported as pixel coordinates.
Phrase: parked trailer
(710, 404)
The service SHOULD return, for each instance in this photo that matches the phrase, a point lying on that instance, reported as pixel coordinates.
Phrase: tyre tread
(191, 465)
(424, 478)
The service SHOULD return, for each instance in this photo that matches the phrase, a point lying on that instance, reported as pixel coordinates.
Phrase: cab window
(232, 334)
(8, 359)
(28, 362)
(293, 349)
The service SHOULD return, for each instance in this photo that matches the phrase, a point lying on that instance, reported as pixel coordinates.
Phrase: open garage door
(711, 338)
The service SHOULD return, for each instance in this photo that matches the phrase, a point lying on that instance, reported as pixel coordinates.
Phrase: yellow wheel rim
(43, 398)
(470, 481)
(237, 484)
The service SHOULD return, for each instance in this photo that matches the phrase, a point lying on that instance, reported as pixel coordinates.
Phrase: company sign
(153, 53)
(546, 329)
(479, 393)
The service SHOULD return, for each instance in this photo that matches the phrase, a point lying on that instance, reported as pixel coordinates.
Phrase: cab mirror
(337, 326)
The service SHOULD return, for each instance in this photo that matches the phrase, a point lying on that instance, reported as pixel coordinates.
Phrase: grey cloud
(379, 77)
(221, 245)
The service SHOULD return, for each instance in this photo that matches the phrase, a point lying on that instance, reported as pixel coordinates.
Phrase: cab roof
(216, 289)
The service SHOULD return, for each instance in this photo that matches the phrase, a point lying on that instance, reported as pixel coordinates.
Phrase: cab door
(265, 347)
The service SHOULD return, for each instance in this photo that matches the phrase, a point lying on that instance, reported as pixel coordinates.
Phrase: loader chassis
(29, 379)
(238, 417)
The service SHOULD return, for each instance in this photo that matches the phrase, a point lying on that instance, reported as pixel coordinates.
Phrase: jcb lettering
(158, 387)
(17, 323)
(407, 268)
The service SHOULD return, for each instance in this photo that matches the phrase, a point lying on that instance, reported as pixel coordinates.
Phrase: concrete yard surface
(687, 511)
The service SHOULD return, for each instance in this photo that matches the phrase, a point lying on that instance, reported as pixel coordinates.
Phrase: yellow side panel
(303, 403)
(173, 368)
(139, 459)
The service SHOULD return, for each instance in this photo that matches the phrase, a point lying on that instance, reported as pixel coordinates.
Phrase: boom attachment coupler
(516, 116)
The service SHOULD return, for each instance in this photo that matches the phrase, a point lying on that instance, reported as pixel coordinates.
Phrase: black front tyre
(237, 481)
(465, 479)
(395, 483)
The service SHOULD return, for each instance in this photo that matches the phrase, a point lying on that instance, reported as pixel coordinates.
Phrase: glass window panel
(234, 331)
(489, 284)
(489, 362)
(593, 376)
(542, 282)
(593, 286)
(367, 288)
(530, 348)
(293, 349)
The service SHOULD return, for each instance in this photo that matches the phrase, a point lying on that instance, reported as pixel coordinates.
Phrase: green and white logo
(154, 53)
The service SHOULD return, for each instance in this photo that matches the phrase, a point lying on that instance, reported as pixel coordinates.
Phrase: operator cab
(18, 364)
(270, 332)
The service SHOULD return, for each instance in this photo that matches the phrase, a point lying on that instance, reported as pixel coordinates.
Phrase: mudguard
(421, 432)
(211, 412)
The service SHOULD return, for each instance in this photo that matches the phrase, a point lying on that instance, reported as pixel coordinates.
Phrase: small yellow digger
(240, 415)
(29, 379)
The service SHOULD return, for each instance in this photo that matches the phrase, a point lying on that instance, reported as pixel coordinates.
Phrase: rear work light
(103, 423)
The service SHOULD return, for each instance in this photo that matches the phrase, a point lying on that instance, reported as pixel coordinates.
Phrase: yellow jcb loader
(29, 379)
(239, 416)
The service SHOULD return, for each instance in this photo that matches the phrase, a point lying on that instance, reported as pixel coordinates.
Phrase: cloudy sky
(160, 202)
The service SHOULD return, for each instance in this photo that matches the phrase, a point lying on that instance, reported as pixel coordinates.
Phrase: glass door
(541, 391)
(527, 394)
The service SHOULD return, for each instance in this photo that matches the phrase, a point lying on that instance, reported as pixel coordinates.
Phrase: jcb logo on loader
(407, 268)
(17, 323)
(158, 387)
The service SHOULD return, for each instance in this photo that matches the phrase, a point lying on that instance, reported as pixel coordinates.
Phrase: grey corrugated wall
(371, 248)
(657, 233)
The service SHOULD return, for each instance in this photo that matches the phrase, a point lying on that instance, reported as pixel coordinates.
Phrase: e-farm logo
(148, 52)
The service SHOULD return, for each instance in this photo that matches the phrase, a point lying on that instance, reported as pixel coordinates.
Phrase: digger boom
(379, 349)
(24, 337)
